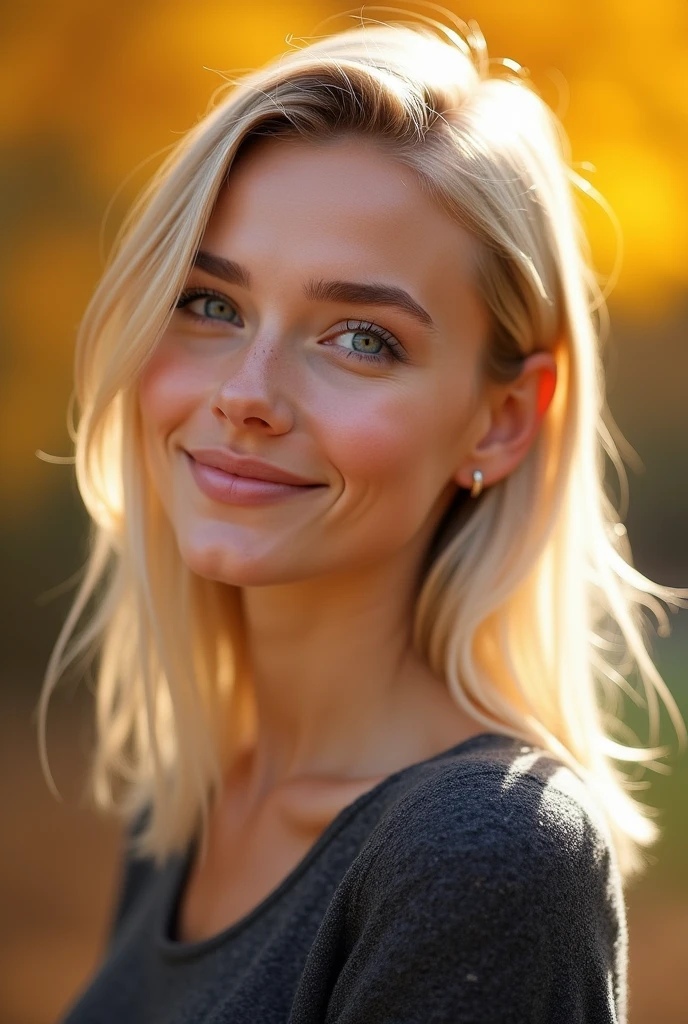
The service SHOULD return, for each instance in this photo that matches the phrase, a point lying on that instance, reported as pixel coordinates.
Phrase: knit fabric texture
(479, 886)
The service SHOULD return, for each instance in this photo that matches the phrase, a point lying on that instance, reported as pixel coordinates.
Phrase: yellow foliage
(110, 86)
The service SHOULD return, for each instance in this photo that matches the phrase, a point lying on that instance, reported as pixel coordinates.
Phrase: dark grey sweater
(476, 887)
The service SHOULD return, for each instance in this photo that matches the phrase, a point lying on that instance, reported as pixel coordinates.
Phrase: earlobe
(477, 485)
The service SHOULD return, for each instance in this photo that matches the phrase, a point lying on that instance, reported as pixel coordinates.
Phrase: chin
(218, 552)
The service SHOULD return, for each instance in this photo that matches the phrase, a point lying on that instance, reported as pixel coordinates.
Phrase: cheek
(170, 389)
(402, 436)
(169, 393)
(393, 458)
(373, 444)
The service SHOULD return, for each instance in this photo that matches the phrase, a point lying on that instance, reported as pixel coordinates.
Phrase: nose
(250, 395)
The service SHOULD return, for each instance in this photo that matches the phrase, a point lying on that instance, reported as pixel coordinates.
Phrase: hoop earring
(477, 483)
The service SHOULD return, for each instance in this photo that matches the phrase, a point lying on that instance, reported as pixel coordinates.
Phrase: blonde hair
(523, 601)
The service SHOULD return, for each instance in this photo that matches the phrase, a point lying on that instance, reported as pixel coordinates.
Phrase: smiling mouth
(232, 489)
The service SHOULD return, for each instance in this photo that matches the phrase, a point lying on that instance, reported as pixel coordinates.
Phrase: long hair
(528, 604)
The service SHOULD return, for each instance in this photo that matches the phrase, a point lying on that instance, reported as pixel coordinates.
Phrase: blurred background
(91, 92)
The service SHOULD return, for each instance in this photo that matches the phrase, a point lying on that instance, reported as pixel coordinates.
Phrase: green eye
(367, 336)
(370, 339)
(217, 308)
(209, 305)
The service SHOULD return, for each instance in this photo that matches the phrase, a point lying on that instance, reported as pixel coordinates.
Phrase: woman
(341, 439)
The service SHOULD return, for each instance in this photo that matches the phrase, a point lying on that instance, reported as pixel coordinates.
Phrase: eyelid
(198, 292)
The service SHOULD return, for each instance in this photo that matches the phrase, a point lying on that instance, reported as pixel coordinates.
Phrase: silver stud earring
(477, 483)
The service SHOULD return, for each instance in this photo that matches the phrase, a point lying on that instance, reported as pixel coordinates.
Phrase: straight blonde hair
(526, 593)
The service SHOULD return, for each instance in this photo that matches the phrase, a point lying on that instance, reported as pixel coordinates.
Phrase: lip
(234, 489)
(246, 466)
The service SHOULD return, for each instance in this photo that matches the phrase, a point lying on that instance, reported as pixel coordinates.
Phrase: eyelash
(359, 326)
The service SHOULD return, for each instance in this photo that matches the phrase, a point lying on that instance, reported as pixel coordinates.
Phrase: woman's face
(335, 334)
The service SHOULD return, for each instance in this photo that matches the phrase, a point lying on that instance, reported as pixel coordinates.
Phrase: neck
(338, 692)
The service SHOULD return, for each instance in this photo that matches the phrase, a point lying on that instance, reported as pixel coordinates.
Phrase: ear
(515, 411)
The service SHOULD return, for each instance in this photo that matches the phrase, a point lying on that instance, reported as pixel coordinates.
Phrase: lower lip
(240, 490)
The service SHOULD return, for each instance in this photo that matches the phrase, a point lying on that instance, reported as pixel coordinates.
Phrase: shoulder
(509, 816)
(488, 891)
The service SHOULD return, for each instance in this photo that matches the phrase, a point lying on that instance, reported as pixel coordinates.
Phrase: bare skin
(341, 700)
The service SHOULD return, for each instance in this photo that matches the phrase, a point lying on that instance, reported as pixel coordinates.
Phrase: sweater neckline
(180, 865)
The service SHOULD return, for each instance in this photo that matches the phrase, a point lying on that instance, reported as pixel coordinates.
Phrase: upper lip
(243, 465)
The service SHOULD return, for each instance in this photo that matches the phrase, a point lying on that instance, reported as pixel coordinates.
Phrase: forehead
(343, 209)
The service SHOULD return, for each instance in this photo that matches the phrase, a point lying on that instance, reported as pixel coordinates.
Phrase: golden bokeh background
(91, 93)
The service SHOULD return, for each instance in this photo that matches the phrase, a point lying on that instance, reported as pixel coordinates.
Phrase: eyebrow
(218, 266)
(372, 294)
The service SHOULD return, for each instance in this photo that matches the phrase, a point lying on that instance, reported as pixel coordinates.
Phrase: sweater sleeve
(486, 904)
